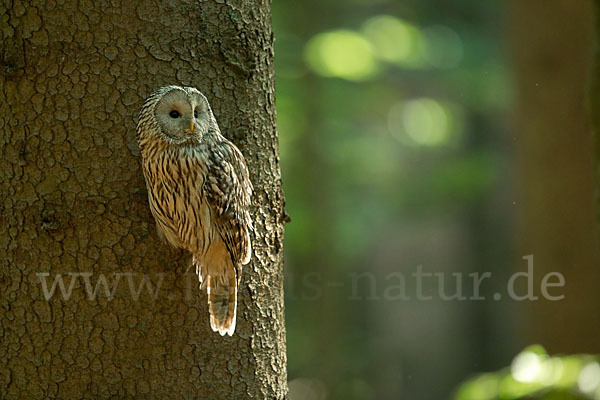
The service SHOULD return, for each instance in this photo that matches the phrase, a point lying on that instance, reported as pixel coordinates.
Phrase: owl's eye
(174, 114)
(195, 113)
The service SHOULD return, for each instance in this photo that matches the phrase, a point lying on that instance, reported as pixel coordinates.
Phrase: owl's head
(182, 114)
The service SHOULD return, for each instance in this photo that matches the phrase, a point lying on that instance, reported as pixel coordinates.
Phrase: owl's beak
(192, 126)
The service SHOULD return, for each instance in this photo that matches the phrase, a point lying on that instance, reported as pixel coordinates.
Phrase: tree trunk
(553, 42)
(595, 103)
(74, 205)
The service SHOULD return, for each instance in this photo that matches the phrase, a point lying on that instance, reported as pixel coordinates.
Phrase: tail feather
(201, 272)
(221, 285)
(222, 303)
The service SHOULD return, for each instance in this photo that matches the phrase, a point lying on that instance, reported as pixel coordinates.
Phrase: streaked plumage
(199, 192)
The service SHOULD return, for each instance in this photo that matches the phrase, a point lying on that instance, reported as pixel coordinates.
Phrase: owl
(199, 193)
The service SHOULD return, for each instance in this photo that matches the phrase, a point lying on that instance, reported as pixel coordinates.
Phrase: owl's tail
(219, 277)
(222, 302)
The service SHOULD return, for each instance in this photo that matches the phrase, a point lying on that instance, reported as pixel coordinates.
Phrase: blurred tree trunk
(595, 104)
(553, 42)
(73, 78)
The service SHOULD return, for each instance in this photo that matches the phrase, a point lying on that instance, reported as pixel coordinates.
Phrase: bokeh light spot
(394, 40)
(425, 122)
(341, 54)
(526, 367)
(589, 378)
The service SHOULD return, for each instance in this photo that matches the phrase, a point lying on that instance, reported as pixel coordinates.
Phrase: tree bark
(553, 43)
(74, 75)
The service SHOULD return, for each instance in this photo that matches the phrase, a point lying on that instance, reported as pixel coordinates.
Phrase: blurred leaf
(535, 375)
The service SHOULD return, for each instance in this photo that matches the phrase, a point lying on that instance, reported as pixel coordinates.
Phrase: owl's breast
(180, 202)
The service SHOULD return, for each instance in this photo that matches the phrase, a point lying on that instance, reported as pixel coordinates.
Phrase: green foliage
(536, 375)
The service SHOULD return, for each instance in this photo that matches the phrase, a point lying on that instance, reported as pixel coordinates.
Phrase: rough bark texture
(73, 76)
(553, 43)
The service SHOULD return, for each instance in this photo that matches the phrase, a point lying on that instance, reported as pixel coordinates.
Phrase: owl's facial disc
(181, 117)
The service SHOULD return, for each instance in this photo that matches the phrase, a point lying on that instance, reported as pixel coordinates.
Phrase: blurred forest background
(451, 135)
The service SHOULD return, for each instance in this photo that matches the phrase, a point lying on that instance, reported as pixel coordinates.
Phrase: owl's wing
(228, 190)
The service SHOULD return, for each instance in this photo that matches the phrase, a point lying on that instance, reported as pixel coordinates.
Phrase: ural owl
(199, 192)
